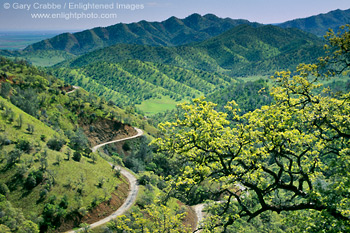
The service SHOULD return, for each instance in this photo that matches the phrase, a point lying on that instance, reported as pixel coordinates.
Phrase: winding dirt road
(134, 188)
(75, 88)
(139, 133)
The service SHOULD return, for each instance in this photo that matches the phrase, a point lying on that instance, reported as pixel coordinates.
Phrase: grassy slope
(61, 113)
(67, 170)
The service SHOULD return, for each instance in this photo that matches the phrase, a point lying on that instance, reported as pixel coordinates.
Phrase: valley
(195, 124)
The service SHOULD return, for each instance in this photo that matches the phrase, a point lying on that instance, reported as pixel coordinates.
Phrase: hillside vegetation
(160, 77)
(319, 24)
(134, 81)
(48, 172)
(243, 50)
(283, 167)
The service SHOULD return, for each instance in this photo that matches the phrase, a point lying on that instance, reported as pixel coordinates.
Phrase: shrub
(117, 173)
(94, 202)
(126, 146)
(2, 140)
(2, 105)
(39, 176)
(13, 157)
(30, 182)
(77, 156)
(94, 157)
(78, 140)
(82, 211)
(43, 137)
(43, 193)
(30, 128)
(64, 202)
(19, 121)
(9, 114)
(24, 145)
(58, 159)
(101, 181)
(7, 142)
(143, 180)
(4, 190)
(56, 144)
(51, 215)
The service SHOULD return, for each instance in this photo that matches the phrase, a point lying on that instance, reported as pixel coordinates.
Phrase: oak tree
(289, 157)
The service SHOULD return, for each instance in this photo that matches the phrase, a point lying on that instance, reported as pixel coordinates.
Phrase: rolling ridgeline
(175, 32)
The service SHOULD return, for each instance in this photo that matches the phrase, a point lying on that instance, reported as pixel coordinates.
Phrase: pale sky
(19, 15)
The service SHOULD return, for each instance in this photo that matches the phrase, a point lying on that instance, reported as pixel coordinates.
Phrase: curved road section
(134, 188)
(74, 89)
(139, 133)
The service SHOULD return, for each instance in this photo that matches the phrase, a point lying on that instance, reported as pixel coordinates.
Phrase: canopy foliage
(292, 156)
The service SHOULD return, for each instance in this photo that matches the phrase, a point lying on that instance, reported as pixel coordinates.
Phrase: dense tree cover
(249, 95)
(12, 219)
(289, 157)
(153, 212)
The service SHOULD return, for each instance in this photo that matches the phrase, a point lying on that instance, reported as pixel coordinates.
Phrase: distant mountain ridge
(175, 32)
(319, 24)
(171, 32)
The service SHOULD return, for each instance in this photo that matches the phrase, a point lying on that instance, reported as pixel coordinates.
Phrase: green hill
(170, 32)
(48, 174)
(149, 75)
(319, 24)
(234, 52)
(246, 50)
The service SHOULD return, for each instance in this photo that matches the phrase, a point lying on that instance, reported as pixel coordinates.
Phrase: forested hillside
(319, 24)
(134, 81)
(50, 179)
(175, 31)
(236, 52)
